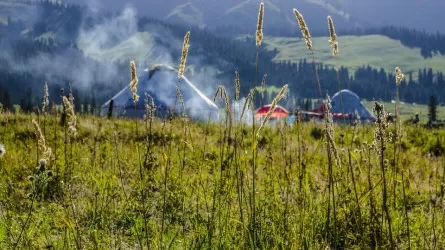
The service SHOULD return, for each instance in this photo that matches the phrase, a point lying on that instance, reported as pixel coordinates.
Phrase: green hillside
(137, 47)
(408, 110)
(375, 50)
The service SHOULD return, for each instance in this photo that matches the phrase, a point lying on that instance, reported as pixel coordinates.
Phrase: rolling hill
(376, 51)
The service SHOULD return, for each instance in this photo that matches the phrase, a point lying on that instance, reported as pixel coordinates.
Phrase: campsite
(158, 85)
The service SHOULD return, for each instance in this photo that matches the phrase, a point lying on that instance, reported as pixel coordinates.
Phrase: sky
(420, 14)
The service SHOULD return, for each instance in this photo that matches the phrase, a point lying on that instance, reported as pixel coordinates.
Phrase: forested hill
(70, 46)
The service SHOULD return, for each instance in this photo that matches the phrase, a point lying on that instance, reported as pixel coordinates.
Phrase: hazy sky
(419, 14)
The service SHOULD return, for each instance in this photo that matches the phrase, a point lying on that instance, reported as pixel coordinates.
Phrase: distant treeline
(22, 85)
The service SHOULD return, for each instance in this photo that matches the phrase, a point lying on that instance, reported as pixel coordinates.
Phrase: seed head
(275, 101)
(247, 103)
(399, 76)
(72, 120)
(237, 85)
(42, 165)
(181, 99)
(223, 96)
(134, 82)
(263, 85)
(46, 151)
(150, 107)
(329, 124)
(185, 49)
(259, 27)
(332, 37)
(45, 102)
(381, 135)
(304, 29)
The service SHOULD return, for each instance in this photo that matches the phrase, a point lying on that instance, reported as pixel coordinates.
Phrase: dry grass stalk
(218, 91)
(181, 99)
(263, 85)
(381, 133)
(237, 85)
(72, 120)
(150, 107)
(304, 29)
(381, 138)
(45, 103)
(330, 132)
(332, 37)
(248, 103)
(399, 76)
(46, 151)
(223, 96)
(275, 101)
(185, 49)
(259, 28)
(134, 82)
(71, 97)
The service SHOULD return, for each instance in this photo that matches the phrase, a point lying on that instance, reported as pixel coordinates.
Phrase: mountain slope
(355, 51)
(423, 15)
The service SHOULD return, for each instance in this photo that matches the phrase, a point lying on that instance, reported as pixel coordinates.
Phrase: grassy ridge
(375, 50)
(196, 187)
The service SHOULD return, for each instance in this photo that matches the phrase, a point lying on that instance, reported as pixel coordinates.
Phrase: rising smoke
(114, 39)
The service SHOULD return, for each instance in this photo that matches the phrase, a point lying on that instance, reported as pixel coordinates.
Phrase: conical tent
(160, 84)
(347, 102)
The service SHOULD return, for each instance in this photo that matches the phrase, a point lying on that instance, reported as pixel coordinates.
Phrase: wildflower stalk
(355, 124)
(133, 87)
(332, 153)
(45, 104)
(259, 38)
(372, 209)
(46, 153)
(253, 204)
(263, 89)
(25, 225)
(399, 78)
(380, 138)
(70, 132)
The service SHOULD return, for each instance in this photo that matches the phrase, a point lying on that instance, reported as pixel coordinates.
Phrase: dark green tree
(432, 109)
(6, 99)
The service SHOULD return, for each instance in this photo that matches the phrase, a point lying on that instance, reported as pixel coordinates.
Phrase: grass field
(375, 50)
(207, 186)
